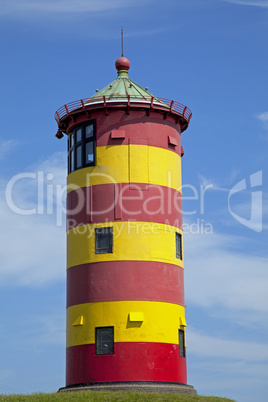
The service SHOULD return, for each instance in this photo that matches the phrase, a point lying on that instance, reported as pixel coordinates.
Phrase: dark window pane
(78, 157)
(89, 131)
(104, 340)
(72, 139)
(178, 246)
(71, 161)
(181, 343)
(78, 135)
(103, 240)
(89, 152)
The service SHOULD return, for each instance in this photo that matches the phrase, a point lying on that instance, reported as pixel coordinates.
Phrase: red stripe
(117, 201)
(130, 362)
(135, 125)
(125, 280)
(138, 126)
(107, 202)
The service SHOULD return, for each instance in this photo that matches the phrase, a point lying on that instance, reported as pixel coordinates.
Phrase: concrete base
(174, 388)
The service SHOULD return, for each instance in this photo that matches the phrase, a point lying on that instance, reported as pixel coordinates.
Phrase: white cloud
(263, 3)
(47, 330)
(6, 147)
(237, 380)
(156, 31)
(244, 204)
(209, 184)
(263, 118)
(216, 274)
(33, 251)
(64, 6)
(225, 348)
(33, 246)
(232, 368)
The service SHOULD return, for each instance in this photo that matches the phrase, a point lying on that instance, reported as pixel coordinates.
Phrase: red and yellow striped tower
(125, 288)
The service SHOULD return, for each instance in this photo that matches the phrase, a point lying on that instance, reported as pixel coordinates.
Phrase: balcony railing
(81, 104)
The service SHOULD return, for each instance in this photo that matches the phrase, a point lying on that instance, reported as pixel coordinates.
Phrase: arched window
(82, 147)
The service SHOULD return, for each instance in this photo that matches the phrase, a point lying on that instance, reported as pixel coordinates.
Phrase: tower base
(145, 386)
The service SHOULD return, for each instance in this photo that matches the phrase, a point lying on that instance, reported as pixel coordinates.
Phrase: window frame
(108, 231)
(73, 146)
(178, 240)
(99, 349)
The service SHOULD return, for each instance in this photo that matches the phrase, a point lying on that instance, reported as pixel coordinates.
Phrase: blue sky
(210, 55)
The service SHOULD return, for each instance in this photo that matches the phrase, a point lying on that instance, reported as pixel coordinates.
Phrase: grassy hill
(105, 396)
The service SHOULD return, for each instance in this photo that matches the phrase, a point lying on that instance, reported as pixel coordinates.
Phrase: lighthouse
(125, 275)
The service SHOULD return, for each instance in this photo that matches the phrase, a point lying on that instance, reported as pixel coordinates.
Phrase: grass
(111, 396)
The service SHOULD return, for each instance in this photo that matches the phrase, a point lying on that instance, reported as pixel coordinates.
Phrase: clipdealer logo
(254, 222)
(50, 198)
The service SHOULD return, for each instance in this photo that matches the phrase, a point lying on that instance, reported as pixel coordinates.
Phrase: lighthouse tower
(125, 287)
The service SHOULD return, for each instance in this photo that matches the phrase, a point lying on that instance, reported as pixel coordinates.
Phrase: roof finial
(122, 41)
(122, 64)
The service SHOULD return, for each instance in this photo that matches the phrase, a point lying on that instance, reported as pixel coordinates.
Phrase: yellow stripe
(130, 163)
(161, 322)
(140, 241)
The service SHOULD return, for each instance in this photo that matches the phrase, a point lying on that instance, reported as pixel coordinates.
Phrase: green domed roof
(123, 86)
(120, 92)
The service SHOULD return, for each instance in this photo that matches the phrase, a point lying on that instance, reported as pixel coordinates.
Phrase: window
(78, 134)
(82, 147)
(103, 240)
(178, 246)
(89, 152)
(104, 341)
(79, 157)
(181, 343)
